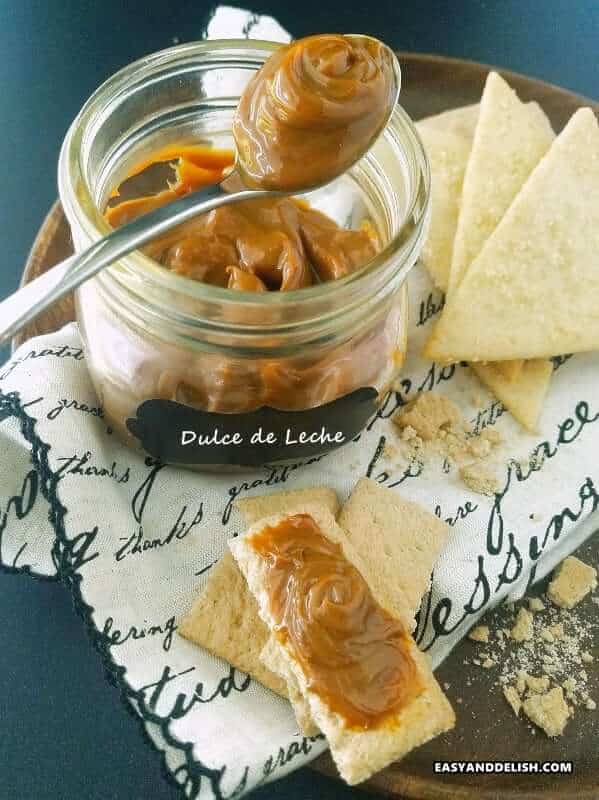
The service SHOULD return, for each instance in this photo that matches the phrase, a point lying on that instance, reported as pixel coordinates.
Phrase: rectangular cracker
(357, 753)
(240, 635)
(396, 539)
(532, 290)
(272, 659)
(264, 505)
(392, 535)
(224, 619)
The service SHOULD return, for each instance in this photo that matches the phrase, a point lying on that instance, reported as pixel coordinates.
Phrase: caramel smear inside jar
(251, 246)
(313, 108)
(354, 654)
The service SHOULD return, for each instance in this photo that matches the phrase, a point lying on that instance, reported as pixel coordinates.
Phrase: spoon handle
(27, 303)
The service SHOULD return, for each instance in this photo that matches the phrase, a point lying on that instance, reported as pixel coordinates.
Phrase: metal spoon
(24, 305)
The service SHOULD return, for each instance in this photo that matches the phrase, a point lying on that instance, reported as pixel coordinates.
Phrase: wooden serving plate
(486, 729)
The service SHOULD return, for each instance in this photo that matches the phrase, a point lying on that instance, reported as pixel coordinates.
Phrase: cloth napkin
(134, 540)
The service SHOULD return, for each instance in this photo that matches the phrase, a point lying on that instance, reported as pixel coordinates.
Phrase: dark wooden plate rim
(483, 68)
(391, 782)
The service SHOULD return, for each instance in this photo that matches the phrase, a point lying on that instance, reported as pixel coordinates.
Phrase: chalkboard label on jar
(179, 434)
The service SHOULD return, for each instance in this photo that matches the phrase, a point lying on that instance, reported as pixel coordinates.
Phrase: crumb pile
(432, 425)
(544, 658)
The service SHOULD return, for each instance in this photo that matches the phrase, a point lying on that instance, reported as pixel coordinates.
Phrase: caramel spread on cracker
(314, 106)
(355, 655)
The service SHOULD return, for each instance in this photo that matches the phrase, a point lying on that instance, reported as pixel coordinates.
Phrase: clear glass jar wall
(151, 334)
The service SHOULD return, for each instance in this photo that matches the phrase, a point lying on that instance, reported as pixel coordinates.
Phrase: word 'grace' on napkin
(134, 540)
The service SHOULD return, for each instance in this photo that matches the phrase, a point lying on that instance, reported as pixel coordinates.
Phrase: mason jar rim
(78, 201)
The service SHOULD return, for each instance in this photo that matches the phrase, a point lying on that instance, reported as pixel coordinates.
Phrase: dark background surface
(63, 730)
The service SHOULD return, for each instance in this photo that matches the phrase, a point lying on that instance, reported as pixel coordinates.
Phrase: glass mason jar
(180, 366)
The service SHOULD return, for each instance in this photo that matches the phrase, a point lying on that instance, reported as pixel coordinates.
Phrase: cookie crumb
(479, 478)
(513, 698)
(571, 582)
(537, 685)
(535, 604)
(557, 630)
(548, 711)
(390, 451)
(427, 414)
(586, 657)
(479, 634)
(523, 629)
(555, 656)
(408, 433)
(431, 425)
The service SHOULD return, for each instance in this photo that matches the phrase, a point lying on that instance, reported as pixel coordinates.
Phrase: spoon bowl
(313, 109)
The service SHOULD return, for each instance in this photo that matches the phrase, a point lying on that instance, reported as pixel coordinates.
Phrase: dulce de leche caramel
(251, 246)
(314, 107)
(354, 654)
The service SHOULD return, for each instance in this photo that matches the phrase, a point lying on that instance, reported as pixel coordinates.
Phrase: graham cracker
(397, 540)
(224, 619)
(448, 155)
(264, 505)
(357, 753)
(390, 534)
(460, 121)
(272, 659)
(447, 139)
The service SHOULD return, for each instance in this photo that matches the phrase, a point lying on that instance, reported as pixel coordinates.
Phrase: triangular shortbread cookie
(510, 139)
(524, 395)
(447, 140)
(533, 290)
(519, 385)
(460, 121)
